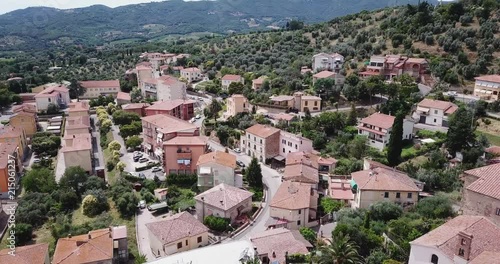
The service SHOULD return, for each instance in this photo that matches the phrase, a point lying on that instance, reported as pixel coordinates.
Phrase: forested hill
(42, 27)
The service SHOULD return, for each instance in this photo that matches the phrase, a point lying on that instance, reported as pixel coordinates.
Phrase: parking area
(128, 159)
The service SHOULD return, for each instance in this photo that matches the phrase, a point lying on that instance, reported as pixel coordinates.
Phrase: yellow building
(237, 103)
(13, 135)
(24, 120)
(77, 151)
(487, 87)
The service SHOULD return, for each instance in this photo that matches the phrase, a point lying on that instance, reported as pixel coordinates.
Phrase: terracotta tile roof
(192, 69)
(308, 159)
(169, 104)
(32, 254)
(134, 106)
(437, 104)
(123, 96)
(292, 196)
(10, 132)
(22, 113)
(100, 84)
(446, 237)
(259, 80)
(487, 257)
(283, 116)
(489, 78)
(119, 232)
(340, 190)
(78, 106)
(383, 179)
(231, 77)
(77, 142)
(275, 242)
(219, 157)
(6, 149)
(195, 141)
(52, 91)
(310, 97)
(489, 180)
(324, 74)
(224, 196)
(495, 150)
(176, 227)
(379, 120)
(169, 80)
(74, 122)
(169, 124)
(416, 60)
(280, 98)
(301, 173)
(96, 246)
(26, 107)
(262, 131)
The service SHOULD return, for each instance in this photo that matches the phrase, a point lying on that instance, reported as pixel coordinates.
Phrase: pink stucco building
(181, 154)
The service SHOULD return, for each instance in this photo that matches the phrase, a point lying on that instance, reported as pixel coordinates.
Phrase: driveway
(271, 179)
(143, 217)
(420, 126)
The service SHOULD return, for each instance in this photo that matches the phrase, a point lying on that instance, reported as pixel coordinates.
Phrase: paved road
(271, 178)
(144, 217)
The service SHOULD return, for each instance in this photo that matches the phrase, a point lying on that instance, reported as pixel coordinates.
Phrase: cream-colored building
(236, 104)
(217, 167)
(487, 87)
(261, 141)
(80, 108)
(25, 121)
(231, 78)
(57, 95)
(258, 83)
(299, 101)
(176, 233)
(191, 74)
(383, 184)
(223, 201)
(93, 89)
(77, 125)
(77, 151)
(293, 206)
(15, 135)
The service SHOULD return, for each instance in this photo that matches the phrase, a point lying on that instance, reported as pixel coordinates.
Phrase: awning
(354, 185)
(157, 206)
(148, 146)
(423, 109)
(489, 92)
(279, 158)
(205, 170)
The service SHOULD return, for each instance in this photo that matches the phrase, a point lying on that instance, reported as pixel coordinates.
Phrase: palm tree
(341, 250)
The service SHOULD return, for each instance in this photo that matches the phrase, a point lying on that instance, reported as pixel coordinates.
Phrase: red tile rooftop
(489, 78)
(379, 120)
(100, 84)
(231, 77)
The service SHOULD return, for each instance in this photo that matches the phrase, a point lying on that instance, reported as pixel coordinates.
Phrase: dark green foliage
(182, 180)
(23, 233)
(67, 199)
(39, 180)
(45, 143)
(330, 205)
(99, 206)
(74, 179)
(34, 208)
(461, 131)
(385, 211)
(308, 234)
(134, 129)
(216, 223)
(395, 145)
(435, 207)
(133, 142)
(235, 88)
(121, 117)
(52, 109)
(253, 174)
(94, 183)
(127, 204)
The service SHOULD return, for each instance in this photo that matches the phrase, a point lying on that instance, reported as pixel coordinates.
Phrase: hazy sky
(10, 5)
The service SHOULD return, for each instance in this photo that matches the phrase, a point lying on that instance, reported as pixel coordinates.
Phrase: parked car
(237, 150)
(198, 116)
(136, 159)
(138, 154)
(142, 160)
(142, 176)
(156, 169)
(192, 120)
(142, 204)
(240, 163)
(36, 160)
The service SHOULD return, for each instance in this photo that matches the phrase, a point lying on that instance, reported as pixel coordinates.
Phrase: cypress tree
(395, 146)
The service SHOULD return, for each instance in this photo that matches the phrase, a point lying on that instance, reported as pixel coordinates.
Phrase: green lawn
(493, 139)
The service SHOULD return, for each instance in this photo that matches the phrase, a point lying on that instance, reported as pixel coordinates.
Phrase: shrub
(216, 223)
(94, 203)
(182, 180)
(23, 232)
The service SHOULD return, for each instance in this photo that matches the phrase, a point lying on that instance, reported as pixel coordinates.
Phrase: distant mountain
(40, 27)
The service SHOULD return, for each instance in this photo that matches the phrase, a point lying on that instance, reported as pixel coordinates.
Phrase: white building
(324, 61)
(231, 78)
(463, 240)
(215, 168)
(434, 112)
(94, 89)
(293, 143)
(58, 95)
(377, 127)
(487, 87)
(164, 88)
(191, 74)
(261, 141)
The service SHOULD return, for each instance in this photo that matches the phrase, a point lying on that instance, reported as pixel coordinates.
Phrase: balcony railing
(184, 155)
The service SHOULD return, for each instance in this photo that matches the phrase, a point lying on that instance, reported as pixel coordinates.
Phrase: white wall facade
(290, 143)
(296, 218)
(323, 61)
(231, 213)
(82, 158)
(42, 103)
(422, 255)
(171, 92)
(220, 174)
(160, 250)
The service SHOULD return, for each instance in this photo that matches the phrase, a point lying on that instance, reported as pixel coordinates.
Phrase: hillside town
(181, 161)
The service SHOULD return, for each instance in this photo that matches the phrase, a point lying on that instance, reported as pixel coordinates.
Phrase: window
(248, 136)
(498, 211)
(200, 239)
(386, 195)
(296, 146)
(464, 242)
(461, 252)
(283, 141)
(398, 195)
(306, 103)
(315, 103)
(261, 141)
(300, 211)
(410, 195)
(283, 150)
(289, 144)
(179, 245)
(435, 112)
(298, 222)
(186, 242)
(435, 120)
(434, 259)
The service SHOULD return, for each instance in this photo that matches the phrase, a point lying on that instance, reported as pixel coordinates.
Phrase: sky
(10, 5)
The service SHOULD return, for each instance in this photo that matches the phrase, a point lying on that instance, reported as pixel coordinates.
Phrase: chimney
(274, 254)
(464, 245)
(69, 235)
(221, 202)
(73, 136)
(90, 237)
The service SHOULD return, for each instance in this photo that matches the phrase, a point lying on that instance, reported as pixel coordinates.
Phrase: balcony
(184, 155)
(375, 138)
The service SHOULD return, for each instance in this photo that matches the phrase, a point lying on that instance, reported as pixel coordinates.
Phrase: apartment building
(231, 78)
(77, 125)
(138, 108)
(216, 167)
(123, 98)
(275, 245)
(236, 104)
(434, 112)
(298, 101)
(182, 109)
(330, 62)
(10, 168)
(94, 89)
(16, 136)
(293, 143)
(26, 121)
(191, 74)
(258, 83)
(181, 154)
(80, 108)
(164, 88)
(57, 95)
(487, 87)
(377, 127)
(391, 66)
(261, 141)
(77, 151)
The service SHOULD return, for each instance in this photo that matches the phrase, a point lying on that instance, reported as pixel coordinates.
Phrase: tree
(133, 142)
(323, 85)
(121, 117)
(341, 251)
(75, 89)
(34, 208)
(94, 183)
(24, 233)
(385, 211)
(127, 204)
(45, 143)
(216, 223)
(52, 109)
(114, 146)
(223, 134)
(135, 95)
(330, 205)
(67, 199)
(39, 180)
(214, 108)
(460, 131)
(331, 122)
(308, 234)
(94, 203)
(235, 88)
(435, 207)
(133, 129)
(74, 178)
(352, 119)
(254, 174)
(120, 166)
(88, 205)
(395, 146)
